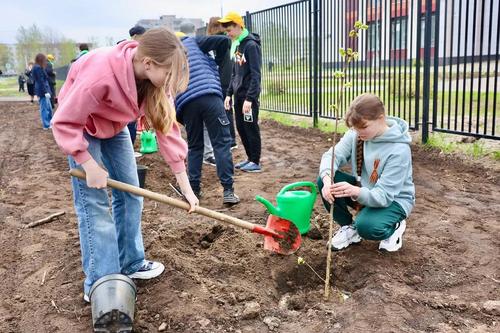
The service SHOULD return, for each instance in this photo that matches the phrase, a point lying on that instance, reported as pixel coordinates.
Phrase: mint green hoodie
(395, 175)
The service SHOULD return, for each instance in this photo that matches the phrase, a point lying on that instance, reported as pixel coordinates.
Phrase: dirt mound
(219, 278)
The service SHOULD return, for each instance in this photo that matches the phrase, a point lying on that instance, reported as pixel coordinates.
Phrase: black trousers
(249, 131)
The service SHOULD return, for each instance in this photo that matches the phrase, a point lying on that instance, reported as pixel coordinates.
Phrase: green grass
(476, 150)
(496, 155)
(10, 88)
(324, 125)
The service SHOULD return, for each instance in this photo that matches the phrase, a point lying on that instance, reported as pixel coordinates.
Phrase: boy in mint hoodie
(380, 185)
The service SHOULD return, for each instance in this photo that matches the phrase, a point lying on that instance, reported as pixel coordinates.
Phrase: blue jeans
(208, 109)
(110, 242)
(45, 111)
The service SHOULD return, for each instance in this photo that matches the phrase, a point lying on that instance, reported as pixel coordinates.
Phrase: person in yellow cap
(244, 88)
(52, 78)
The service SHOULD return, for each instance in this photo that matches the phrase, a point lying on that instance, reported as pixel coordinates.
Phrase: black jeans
(208, 109)
(249, 131)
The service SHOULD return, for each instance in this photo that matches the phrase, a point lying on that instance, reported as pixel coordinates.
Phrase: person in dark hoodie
(52, 78)
(42, 89)
(202, 103)
(378, 149)
(245, 88)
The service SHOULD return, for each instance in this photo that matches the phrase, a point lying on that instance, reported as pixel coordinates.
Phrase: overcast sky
(81, 19)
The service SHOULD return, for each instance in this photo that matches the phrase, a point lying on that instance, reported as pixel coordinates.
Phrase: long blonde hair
(165, 50)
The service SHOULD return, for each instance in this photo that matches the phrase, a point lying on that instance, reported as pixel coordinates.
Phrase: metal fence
(433, 63)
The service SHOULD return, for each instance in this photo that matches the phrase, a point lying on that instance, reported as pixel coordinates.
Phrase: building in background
(170, 21)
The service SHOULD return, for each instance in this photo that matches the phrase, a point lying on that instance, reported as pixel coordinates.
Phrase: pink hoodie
(100, 98)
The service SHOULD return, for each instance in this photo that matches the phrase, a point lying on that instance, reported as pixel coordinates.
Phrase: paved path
(14, 98)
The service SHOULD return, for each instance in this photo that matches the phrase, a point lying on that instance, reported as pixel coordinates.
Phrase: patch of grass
(438, 140)
(447, 143)
(324, 125)
(9, 87)
(475, 150)
(496, 155)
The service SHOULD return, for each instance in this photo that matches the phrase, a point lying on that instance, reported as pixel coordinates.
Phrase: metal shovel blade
(290, 241)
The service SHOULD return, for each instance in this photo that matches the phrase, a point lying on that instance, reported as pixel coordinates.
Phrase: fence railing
(433, 63)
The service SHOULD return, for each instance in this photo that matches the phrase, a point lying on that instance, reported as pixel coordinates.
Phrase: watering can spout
(270, 208)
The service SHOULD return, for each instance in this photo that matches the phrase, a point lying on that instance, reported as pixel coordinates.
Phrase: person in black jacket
(29, 81)
(245, 88)
(52, 78)
(226, 69)
(21, 80)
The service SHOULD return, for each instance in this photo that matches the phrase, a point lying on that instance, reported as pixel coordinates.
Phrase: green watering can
(148, 142)
(295, 206)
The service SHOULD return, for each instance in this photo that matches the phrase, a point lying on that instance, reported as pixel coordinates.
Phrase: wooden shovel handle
(170, 201)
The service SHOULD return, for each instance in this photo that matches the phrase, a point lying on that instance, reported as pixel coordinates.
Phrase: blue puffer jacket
(203, 71)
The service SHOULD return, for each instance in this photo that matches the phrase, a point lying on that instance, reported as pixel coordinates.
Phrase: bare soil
(218, 278)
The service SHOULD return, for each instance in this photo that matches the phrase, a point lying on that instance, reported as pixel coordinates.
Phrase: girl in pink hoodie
(104, 91)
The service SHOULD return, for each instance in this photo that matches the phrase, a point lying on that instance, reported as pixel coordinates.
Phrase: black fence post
(315, 41)
(427, 70)
(248, 20)
(418, 46)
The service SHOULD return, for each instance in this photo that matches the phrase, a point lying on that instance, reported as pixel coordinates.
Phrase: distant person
(21, 80)
(245, 86)
(270, 66)
(30, 84)
(134, 33)
(42, 89)
(226, 69)
(188, 29)
(52, 78)
(84, 49)
(104, 91)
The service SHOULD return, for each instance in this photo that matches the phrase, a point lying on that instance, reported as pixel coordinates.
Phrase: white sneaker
(394, 242)
(150, 269)
(344, 237)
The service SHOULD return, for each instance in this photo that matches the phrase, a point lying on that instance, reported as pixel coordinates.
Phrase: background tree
(6, 58)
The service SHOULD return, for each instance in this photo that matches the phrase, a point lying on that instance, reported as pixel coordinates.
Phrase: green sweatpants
(371, 223)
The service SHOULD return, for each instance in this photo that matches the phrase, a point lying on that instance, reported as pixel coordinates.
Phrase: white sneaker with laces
(344, 237)
(394, 242)
(150, 269)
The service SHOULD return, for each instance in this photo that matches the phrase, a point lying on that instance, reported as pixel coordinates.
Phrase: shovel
(280, 235)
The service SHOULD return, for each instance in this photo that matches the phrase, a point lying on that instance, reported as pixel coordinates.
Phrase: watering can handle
(298, 184)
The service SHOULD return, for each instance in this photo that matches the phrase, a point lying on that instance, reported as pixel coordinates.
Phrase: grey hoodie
(395, 175)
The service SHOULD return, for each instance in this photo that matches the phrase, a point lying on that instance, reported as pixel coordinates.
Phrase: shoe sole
(208, 163)
(344, 245)
(231, 202)
(251, 171)
(143, 276)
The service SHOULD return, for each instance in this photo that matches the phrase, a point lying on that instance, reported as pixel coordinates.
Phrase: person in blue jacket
(380, 185)
(42, 89)
(202, 103)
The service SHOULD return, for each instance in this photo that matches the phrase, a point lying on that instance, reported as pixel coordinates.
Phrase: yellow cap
(180, 34)
(50, 57)
(233, 17)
